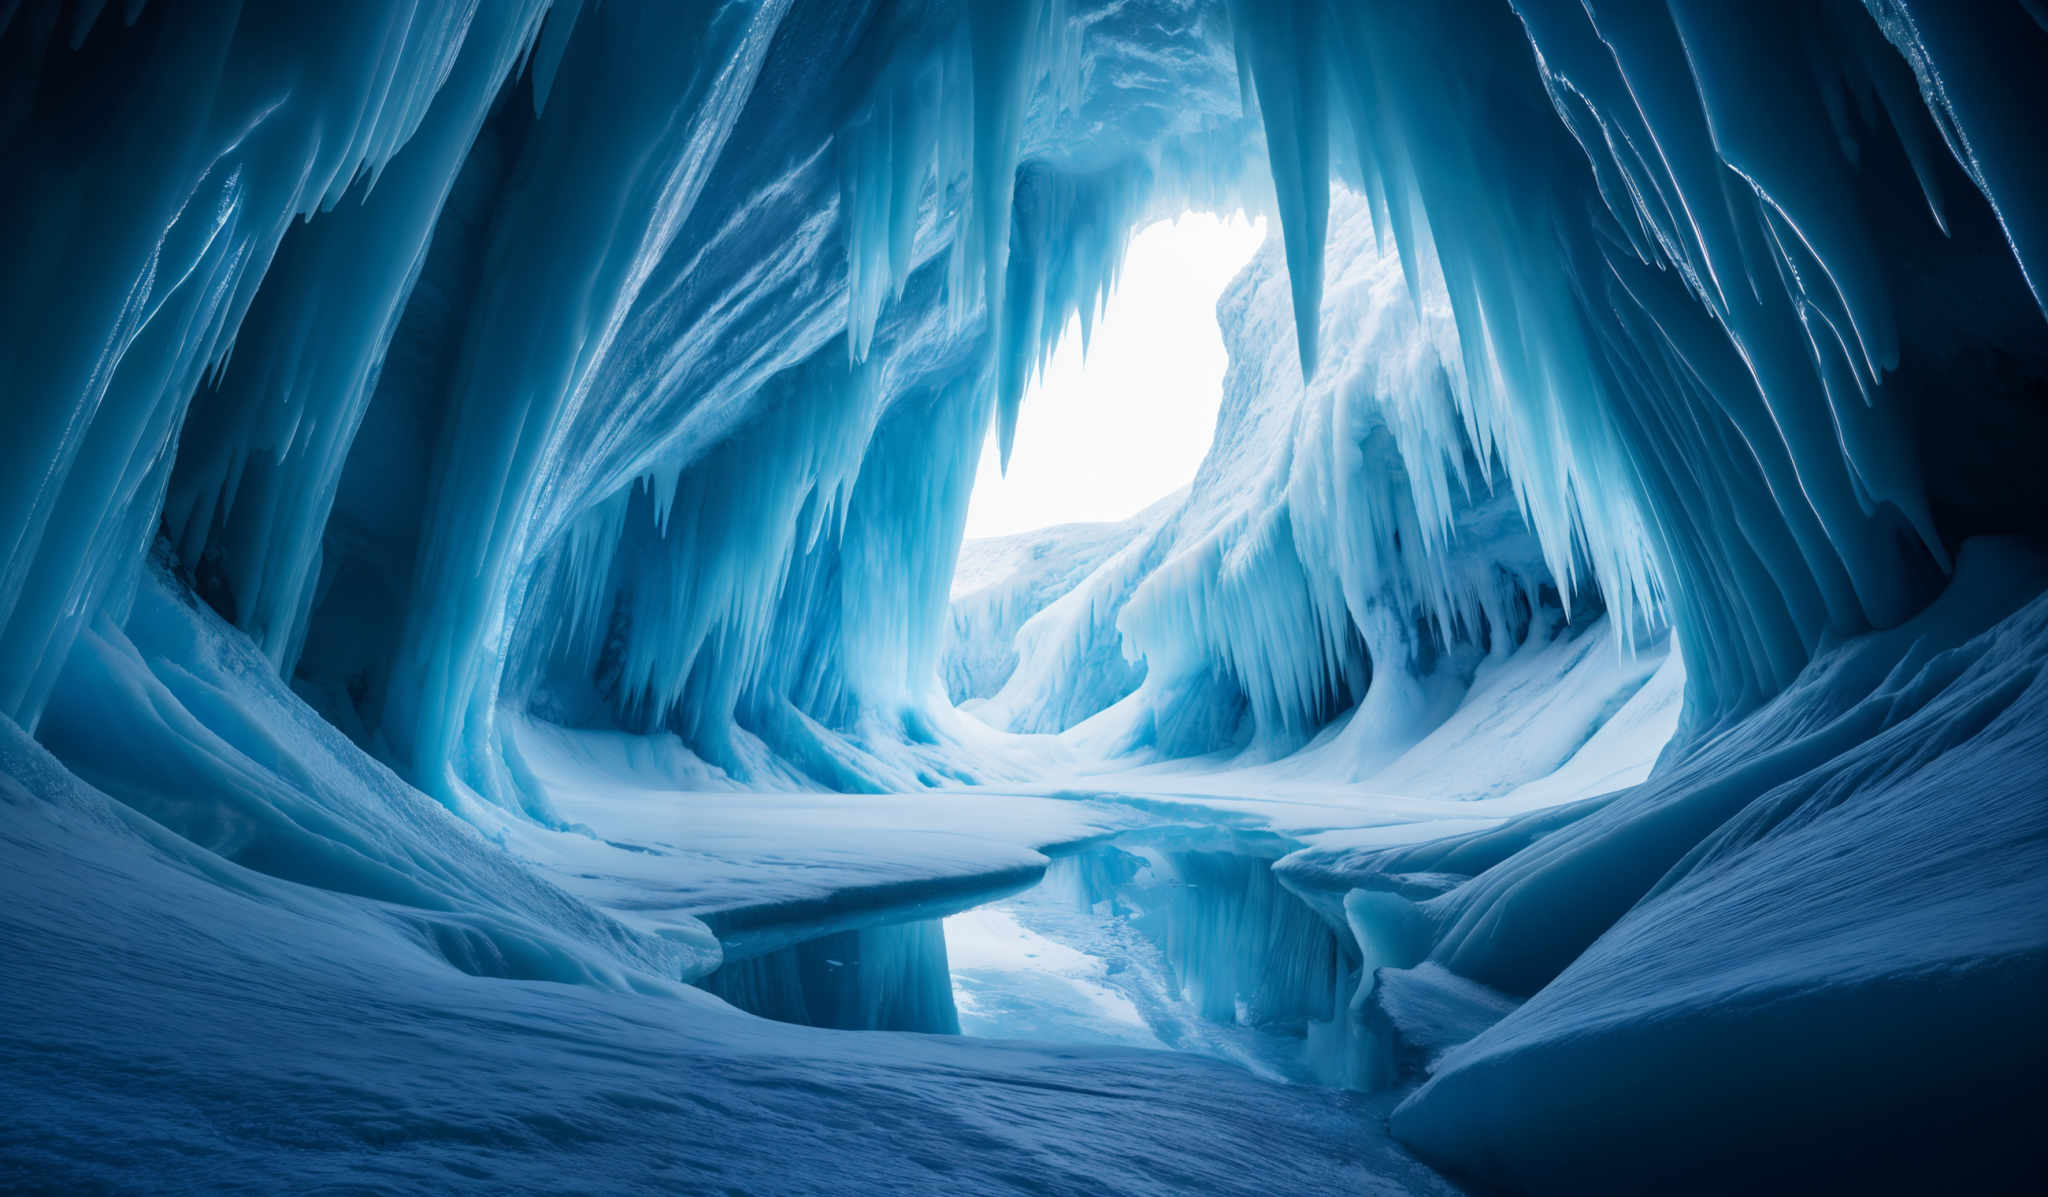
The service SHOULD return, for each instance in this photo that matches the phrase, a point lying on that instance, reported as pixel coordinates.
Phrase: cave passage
(573, 616)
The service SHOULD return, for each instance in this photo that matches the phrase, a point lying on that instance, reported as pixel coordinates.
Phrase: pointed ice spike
(1282, 43)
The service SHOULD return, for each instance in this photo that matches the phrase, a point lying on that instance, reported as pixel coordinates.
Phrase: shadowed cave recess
(494, 696)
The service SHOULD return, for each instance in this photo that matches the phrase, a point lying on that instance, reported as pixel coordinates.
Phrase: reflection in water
(1193, 949)
(1184, 941)
(886, 978)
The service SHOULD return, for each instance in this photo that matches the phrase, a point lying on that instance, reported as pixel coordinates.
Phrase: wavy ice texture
(436, 1080)
(627, 361)
(214, 750)
(1848, 868)
(1699, 390)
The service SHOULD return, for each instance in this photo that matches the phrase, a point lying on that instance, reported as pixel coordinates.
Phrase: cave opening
(1123, 410)
(533, 529)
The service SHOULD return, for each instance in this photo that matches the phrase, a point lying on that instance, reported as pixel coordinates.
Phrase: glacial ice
(482, 495)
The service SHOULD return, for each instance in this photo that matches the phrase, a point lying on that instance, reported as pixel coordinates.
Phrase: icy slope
(181, 718)
(1821, 928)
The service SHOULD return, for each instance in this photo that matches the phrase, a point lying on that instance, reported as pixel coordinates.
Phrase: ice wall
(628, 360)
(1734, 339)
(1711, 336)
(1001, 582)
(532, 283)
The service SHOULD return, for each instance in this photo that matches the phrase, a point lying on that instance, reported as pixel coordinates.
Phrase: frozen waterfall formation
(392, 385)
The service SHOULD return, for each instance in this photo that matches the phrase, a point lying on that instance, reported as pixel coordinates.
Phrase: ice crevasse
(624, 366)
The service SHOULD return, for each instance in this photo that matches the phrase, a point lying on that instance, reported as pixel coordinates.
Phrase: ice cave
(497, 694)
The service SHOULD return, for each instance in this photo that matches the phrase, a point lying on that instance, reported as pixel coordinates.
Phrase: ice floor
(1135, 908)
(1014, 963)
(174, 1017)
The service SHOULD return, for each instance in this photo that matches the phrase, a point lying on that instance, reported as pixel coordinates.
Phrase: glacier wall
(1001, 583)
(1712, 324)
(627, 362)
(524, 355)
(1703, 394)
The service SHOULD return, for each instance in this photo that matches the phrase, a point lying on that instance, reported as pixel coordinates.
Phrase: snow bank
(182, 719)
(174, 1018)
(1807, 948)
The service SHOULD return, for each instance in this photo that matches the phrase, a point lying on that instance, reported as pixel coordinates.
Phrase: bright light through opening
(1104, 439)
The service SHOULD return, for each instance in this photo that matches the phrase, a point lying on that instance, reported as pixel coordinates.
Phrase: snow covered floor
(184, 1009)
(175, 1024)
(415, 1001)
(826, 905)
(1558, 720)
(659, 852)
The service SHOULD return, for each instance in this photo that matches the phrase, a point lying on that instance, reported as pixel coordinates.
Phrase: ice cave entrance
(1107, 432)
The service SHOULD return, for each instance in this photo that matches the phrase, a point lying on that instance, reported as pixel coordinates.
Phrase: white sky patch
(1102, 440)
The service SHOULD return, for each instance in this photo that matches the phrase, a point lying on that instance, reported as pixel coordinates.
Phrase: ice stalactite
(221, 135)
(266, 445)
(521, 351)
(1686, 339)
(1699, 360)
(555, 292)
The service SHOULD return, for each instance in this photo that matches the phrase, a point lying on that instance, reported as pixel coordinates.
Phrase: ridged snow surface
(451, 447)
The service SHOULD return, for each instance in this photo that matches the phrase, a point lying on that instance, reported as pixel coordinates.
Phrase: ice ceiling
(627, 364)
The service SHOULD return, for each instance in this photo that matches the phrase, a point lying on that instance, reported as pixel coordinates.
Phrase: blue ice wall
(535, 274)
(1713, 272)
(384, 317)
(628, 360)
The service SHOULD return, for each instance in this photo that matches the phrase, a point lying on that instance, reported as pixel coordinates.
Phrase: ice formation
(423, 414)
(1342, 544)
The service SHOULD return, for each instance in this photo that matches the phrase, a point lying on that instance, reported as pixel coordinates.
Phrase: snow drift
(624, 366)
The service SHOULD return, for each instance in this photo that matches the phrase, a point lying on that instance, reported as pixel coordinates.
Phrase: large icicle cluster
(1718, 297)
(535, 275)
(1686, 337)
(629, 361)
(1726, 337)
(133, 270)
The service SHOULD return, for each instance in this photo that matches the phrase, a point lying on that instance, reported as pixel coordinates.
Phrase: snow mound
(1808, 948)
